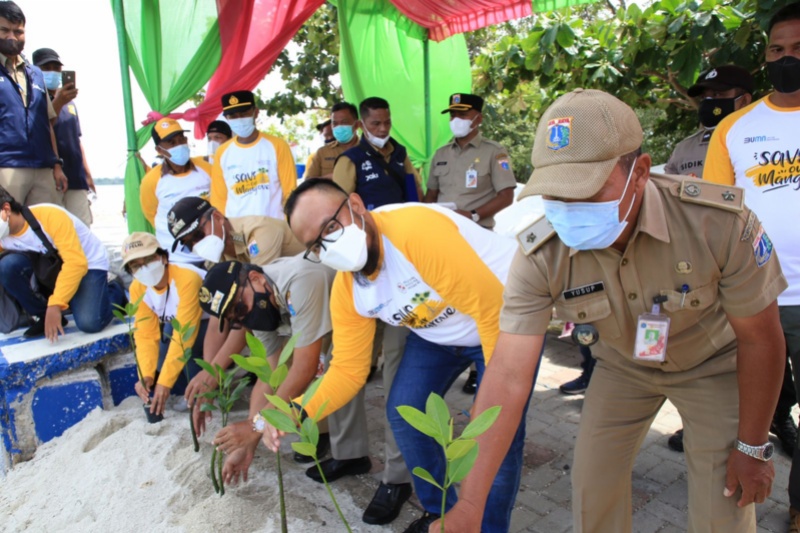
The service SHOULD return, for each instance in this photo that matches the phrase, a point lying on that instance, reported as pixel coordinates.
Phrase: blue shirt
(68, 139)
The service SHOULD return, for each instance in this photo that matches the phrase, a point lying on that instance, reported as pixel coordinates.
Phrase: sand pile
(115, 472)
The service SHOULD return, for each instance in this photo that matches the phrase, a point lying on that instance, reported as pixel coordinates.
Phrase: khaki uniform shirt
(260, 240)
(689, 156)
(324, 159)
(449, 169)
(720, 253)
(302, 290)
(17, 71)
(344, 173)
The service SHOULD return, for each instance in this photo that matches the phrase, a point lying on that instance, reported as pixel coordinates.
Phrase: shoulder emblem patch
(762, 247)
(252, 249)
(700, 192)
(534, 236)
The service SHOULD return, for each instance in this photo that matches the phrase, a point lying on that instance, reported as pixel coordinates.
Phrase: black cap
(219, 289)
(237, 101)
(322, 125)
(722, 79)
(42, 56)
(184, 217)
(220, 126)
(464, 102)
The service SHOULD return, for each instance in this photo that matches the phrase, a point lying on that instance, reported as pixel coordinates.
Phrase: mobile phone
(67, 76)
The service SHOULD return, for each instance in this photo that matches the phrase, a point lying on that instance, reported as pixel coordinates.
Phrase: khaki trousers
(620, 404)
(76, 201)
(30, 186)
(348, 426)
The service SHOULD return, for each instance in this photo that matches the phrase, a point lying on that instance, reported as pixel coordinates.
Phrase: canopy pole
(426, 62)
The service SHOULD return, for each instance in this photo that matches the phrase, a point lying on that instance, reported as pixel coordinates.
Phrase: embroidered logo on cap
(164, 125)
(204, 296)
(711, 75)
(559, 133)
(233, 100)
(456, 98)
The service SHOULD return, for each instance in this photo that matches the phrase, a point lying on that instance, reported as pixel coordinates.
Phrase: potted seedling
(222, 399)
(184, 332)
(460, 453)
(127, 314)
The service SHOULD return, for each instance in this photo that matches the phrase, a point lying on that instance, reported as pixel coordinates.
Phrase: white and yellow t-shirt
(178, 300)
(440, 275)
(78, 247)
(253, 179)
(758, 149)
(158, 193)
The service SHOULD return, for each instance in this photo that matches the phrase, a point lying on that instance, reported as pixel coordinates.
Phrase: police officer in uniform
(678, 281)
(721, 91)
(470, 171)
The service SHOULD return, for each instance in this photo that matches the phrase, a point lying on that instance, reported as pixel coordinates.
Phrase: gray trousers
(348, 425)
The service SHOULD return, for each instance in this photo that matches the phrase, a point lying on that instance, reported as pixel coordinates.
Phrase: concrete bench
(46, 388)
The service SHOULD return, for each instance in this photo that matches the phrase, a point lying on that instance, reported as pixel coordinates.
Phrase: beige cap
(137, 245)
(578, 142)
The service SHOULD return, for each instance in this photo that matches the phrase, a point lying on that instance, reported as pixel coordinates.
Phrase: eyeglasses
(188, 241)
(331, 231)
(134, 267)
(239, 311)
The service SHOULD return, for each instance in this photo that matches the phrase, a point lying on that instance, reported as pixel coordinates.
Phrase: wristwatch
(259, 423)
(762, 453)
(58, 161)
(475, 216)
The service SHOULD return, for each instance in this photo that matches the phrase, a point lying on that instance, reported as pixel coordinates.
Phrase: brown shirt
(450, 166)
(260, 240)
(323, 160)
(711, 249)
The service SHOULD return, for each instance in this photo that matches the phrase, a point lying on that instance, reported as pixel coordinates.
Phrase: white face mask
(380, 142)
(4, 228)
(211, 247)
(242, 127)
(150, 274)
(461, 127)
(349, 251)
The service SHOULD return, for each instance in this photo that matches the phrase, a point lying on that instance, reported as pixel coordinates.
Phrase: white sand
(115, 472)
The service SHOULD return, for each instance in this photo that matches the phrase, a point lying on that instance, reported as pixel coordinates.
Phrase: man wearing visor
(676, 281)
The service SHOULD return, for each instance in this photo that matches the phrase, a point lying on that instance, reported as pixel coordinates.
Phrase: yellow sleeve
(718, 167)
(287, 170)
(202, 164)
(344, 174)
(219, 189)
(146, 333)
(147, 194)
(189, 312)
(56, 223)
(352, 350)
(467, 285)
(314, 168)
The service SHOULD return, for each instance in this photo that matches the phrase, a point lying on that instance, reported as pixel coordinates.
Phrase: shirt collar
(475, 141)
(4, 60)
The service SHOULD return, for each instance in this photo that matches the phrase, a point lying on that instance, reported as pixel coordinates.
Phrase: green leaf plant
(127, 314)
(460, 452)
(222, 399)
(182, 333)
(287, 417)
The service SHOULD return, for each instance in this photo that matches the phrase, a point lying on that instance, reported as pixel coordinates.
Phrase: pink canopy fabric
(444, 18)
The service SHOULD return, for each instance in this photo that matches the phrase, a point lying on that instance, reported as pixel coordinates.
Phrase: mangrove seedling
(127, 314)
(182, 333)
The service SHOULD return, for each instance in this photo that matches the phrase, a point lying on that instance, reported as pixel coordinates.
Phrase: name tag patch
(583, 290)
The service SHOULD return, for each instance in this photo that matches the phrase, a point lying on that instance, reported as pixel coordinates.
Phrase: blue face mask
(588, 225)
(179, 155)
(343, 134)
(242, 127)
(52, 79)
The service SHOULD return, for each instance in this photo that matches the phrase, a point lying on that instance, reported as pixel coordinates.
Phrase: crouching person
(47, 232)
(165, 291)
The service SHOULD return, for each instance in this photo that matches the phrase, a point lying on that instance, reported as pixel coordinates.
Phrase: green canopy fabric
(385, 58)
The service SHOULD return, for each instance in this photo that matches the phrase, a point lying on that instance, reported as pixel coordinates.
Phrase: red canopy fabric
(444, 18)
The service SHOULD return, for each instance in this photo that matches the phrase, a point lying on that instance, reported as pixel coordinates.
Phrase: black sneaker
(471, 385)
(323, 445)
(387, 502)
(675, 442)
(576, 386)
(421, 525)
(786, 431)
(336, 468)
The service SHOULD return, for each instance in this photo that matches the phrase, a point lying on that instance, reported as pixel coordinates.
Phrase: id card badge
(652, 331)
(472, 179)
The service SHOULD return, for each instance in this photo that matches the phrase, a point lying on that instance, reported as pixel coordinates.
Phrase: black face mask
(713, 110)
(11, 47)
(264, 316)
(784, 74)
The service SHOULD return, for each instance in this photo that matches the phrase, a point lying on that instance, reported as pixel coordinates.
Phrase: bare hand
(64, 95)
(52, 323)
(200, 417)
(272, 437)
(462, 518)
(752, 475)
(143, 391)
(199, 384)
(60, 177)
(159, 399)
(90, 183)
(236, 465)
(234, 436)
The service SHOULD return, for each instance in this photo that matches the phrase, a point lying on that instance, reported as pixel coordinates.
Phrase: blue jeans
(91, 305)
(427, 367)
(197, 352)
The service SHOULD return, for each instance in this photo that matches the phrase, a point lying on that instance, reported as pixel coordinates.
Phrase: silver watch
(475, 216)
(259, 423)
(762, 453)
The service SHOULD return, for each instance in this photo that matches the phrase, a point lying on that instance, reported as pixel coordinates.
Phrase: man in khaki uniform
(344, 123)
(205, 231)
(634, 239)
(472, 172)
